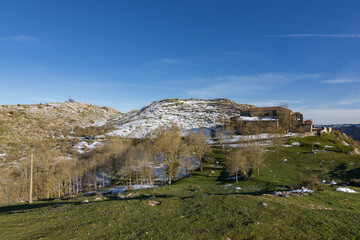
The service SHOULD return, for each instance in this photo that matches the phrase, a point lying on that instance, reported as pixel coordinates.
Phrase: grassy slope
(205, 206)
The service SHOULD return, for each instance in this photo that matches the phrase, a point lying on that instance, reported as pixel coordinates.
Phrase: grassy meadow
(209, 205)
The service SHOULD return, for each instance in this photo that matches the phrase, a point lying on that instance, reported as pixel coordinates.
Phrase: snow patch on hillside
(188, 114)
(84, 146)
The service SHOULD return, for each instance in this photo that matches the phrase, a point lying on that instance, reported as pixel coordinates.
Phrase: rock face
(352, 130)
(188, 114)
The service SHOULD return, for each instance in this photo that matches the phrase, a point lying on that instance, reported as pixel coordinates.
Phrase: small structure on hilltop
(323, 130)
(71, 100)
(269, 119)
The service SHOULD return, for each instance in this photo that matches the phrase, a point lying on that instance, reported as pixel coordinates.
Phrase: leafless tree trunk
(31, 176)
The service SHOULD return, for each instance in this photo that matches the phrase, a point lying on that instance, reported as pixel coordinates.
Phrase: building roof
(255, 119)
(267, 109)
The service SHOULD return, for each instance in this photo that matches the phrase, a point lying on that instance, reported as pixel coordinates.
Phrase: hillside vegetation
(352, 130)
(210, 205)
(40, 124)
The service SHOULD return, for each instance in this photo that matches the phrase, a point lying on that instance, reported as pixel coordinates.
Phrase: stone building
(272, 118)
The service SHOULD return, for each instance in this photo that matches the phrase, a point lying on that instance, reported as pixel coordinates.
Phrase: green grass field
(207, 206)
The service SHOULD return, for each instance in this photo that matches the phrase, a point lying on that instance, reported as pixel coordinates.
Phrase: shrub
(105, 108)
(355, 182)
(311, 182)
(342, 148)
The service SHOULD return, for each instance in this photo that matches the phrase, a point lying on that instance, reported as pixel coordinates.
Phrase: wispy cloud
(341, 80)
(315, 35)
(227, 85)
(168, 60)
(44, 99)
(122, 106)
(332, 115)
(350, 100)
(23, 38)
(273, 102)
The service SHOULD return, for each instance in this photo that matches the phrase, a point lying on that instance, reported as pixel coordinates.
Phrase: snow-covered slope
(188, 114)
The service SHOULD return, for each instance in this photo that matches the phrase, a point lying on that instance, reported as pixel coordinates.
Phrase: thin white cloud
(332, 115)
(168, 60)
(341, 80)
(350, 100)
(44, 99)
(226, 85)
(316, 35)
(23, 38)
(270, 103)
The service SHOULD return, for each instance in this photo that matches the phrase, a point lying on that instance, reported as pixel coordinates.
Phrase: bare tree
(198, 145)
(237, 162)
(286, 120)
(169, 147)
(220, 136)
(255, 155)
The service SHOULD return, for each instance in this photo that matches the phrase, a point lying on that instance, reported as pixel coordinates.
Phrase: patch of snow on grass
(81, 145)
(302, 190)
(348, 190)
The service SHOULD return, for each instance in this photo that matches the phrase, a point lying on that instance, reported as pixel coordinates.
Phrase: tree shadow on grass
(346, 175)
(255, 193)
(223, 177)
(21, 208)
(339, 171)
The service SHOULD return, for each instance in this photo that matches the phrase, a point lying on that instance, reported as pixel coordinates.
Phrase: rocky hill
(21, 125)
(352, 130)
(76, 128)
(188, 114)
(43, 120)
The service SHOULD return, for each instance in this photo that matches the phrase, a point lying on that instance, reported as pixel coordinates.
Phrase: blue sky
(126, 54)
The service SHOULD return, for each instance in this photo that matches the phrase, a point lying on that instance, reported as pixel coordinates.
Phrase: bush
(342, 148)
(355, 182)
(311, 182)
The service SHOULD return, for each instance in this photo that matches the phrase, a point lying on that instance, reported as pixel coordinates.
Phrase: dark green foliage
(320, 142)
(355, 182)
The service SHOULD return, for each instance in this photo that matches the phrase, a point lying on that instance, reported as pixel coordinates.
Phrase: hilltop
(188, 114)
(44, 120)
(73, 127)
(22, 125)
(352, 130)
